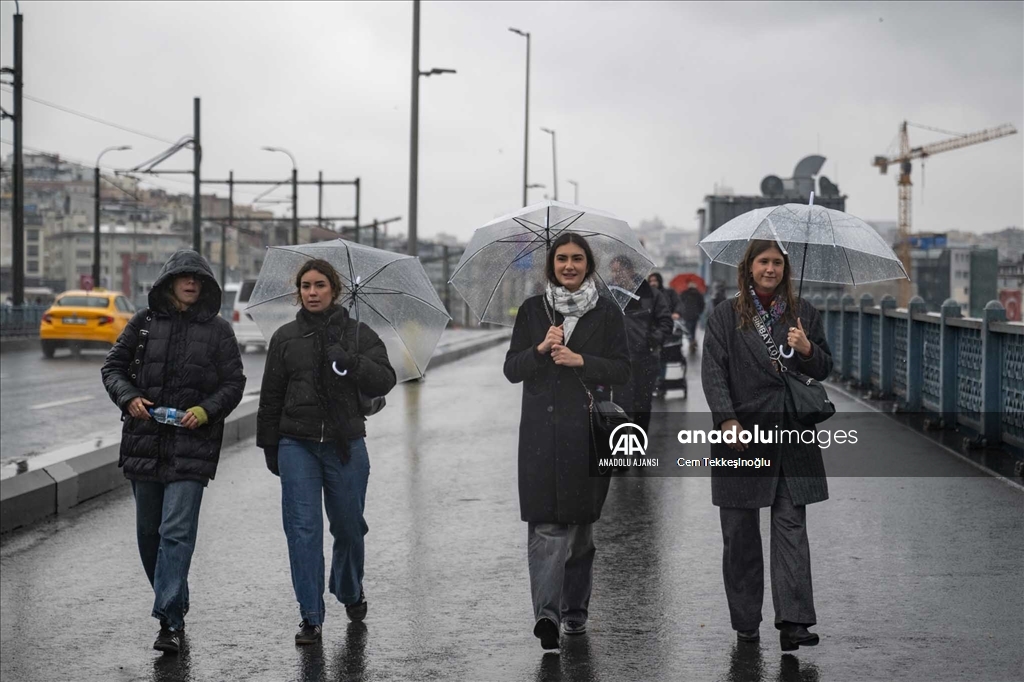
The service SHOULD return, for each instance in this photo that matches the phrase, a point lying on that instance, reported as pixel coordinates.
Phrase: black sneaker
(547, 632)
(308, 634)
(357, 612)
(168, 641)
(792, 637)
(748, 635)
(574, 627)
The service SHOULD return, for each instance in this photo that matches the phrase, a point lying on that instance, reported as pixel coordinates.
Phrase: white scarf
(572, 304)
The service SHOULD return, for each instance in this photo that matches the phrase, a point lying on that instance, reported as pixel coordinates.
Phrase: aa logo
(625, 439)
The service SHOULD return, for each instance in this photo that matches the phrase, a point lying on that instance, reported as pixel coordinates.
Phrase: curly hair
(325, 269)
(744, 303)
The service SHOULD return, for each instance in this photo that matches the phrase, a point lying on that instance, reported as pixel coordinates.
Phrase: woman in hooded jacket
(312, 431)
(565, 342)
(745, 388)
(177, 353)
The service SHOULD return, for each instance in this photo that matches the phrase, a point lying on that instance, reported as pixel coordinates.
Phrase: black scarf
(330, 322)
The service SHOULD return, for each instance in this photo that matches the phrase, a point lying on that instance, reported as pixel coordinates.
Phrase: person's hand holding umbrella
(798, 340)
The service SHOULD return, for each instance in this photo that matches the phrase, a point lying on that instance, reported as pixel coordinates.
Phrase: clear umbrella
(504, 262)
(388, 291)
(824, 245)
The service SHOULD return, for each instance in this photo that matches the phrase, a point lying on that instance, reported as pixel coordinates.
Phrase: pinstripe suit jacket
(741, 383)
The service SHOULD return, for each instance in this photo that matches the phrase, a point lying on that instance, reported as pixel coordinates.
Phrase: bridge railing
(21, 320)
(964, 370)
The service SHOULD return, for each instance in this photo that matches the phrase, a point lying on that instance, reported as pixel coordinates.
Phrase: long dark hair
(744, 304)
(325, 269)
(562, 240)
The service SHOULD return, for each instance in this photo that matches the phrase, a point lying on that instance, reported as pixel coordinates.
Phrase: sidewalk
(915, 578)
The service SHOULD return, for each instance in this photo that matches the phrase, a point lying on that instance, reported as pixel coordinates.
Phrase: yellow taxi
(84, 319)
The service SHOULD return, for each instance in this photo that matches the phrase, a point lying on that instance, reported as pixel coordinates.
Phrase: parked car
(236, 297)
(84, 319)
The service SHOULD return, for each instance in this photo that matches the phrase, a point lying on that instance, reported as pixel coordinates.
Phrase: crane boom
(903, 159)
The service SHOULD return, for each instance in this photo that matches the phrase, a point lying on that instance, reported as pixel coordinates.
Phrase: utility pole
(295, 205)
(526, 131)
(554, 163)
(414, 130)
(96, 216)
(224, 229)
(197, 204)
(18, 176)
(575, 191)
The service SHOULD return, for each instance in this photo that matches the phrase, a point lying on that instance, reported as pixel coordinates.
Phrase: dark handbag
(806, 399)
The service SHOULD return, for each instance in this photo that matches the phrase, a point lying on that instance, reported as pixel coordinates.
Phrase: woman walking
(744, 387)
(564, 342)
(312, 432)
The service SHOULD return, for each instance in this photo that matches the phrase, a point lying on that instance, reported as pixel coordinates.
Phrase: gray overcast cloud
(653, 103)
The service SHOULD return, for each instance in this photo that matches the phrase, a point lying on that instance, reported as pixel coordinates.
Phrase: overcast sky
(653, 103)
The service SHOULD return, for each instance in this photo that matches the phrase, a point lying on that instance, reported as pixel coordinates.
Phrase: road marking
(58, 403)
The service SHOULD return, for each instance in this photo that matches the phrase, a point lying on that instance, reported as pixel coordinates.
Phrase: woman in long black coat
(564, 339)
(743, 388)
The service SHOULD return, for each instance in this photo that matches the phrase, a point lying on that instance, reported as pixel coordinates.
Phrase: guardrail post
(991, 372)
(830, 312)
(915, 354)
(887, 337)
(947, 358)
(864, 320)
(846, 332)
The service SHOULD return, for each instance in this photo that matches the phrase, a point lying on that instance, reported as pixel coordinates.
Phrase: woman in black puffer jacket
(190, 362)
(312, 432)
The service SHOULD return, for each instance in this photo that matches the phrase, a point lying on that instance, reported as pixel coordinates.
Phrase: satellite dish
(827, 187)
(771, 186)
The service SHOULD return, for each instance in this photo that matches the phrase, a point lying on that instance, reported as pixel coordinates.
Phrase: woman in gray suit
(744, 388)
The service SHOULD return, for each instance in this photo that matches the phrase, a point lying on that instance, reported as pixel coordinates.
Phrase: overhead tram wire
(90, 117)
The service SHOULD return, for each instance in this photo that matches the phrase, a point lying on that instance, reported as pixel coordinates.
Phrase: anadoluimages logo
(625, 441)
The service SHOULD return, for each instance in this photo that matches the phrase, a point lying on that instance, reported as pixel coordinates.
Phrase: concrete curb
(19, 343)
(54, 489)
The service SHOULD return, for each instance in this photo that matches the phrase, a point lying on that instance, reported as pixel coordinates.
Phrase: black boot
(792, 637)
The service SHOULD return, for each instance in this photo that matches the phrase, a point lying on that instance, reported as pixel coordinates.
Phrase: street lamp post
(295, 191)
(96, 213)
(575, 191)
(554, 164)
(414, 128)
(526, 131)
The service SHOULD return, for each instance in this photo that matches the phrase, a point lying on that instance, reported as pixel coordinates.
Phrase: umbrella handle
(334, 366)
(782, 352)
(625, 291)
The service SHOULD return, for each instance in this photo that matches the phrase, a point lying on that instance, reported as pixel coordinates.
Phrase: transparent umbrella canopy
(388, 291)
(824, 245)
(504, 262)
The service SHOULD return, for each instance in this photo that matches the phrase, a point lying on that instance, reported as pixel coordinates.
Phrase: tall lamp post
(526, 130)
(575, 191)
(295, 192)
(554, 164)
(96, 213)
(414, 128)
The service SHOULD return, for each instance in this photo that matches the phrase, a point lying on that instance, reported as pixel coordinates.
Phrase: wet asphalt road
(915, 578)
(49, 404)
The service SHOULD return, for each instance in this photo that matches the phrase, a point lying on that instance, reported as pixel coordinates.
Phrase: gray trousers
(561, 559)
(790, 569)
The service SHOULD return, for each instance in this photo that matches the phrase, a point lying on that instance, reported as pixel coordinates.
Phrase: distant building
(966, 274)
(720, 208)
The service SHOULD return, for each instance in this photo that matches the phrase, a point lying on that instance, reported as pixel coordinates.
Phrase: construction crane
(903, 159)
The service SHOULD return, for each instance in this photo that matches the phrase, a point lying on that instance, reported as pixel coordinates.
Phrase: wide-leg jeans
(561, 559)
(313, 477)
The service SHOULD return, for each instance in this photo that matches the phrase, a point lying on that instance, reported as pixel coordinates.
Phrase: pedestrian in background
(691, 305)
(312, 431)
(744, 388)
(177, 353)
(648, 325)
(672, 299)
(565, 341)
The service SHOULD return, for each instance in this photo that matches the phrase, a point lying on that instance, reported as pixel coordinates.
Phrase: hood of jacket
(182, 262)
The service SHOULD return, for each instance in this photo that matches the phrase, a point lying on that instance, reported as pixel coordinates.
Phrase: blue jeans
(166, 522)
(313, 477)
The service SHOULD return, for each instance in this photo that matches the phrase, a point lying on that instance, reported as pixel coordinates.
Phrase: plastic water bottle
(167, 415)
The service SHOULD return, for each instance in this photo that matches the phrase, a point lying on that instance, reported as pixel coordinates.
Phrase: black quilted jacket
(191, 359)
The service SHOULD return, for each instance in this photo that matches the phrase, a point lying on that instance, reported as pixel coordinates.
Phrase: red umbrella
(682, 281)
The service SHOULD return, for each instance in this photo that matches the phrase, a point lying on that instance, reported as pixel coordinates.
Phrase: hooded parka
(191, 359)
(555, 484)
(740, 382)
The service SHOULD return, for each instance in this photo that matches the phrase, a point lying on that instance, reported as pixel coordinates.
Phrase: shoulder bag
(806, 399)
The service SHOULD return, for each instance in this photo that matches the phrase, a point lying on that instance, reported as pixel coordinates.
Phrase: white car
(236, 298)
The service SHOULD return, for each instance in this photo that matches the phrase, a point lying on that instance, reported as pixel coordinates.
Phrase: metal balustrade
(963, 370)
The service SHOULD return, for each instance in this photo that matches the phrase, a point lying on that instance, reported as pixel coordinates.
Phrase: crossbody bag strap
(590, 396)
